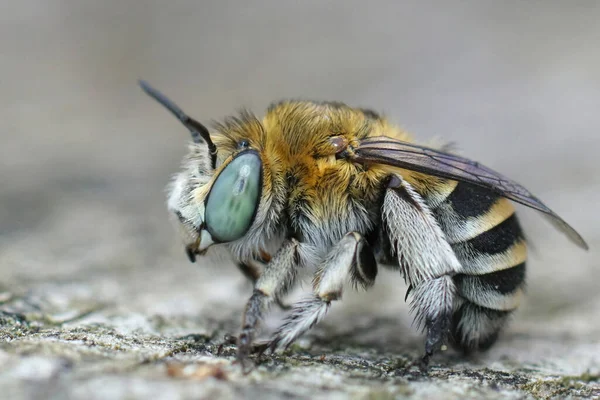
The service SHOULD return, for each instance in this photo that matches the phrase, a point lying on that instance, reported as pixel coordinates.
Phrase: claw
(260, 348)
(272, 345)
(243, 354)
(227, 340)
(424, 364)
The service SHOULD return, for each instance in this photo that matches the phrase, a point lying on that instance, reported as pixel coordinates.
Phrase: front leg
(275, 280)
(427, 260)
(351, 259)
(252, 271)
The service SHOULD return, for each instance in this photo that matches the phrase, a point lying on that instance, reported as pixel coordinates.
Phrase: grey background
(84, 236)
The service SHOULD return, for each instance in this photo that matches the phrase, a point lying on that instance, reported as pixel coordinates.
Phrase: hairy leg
(276, 279)
(432, 304)
(351, 260)
(426, 260)
(252, 271)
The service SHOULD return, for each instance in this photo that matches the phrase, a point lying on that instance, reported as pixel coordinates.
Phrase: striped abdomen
(484, 232)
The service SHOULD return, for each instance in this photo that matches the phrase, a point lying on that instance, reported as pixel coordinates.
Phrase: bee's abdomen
(499, 290)
(486, 236)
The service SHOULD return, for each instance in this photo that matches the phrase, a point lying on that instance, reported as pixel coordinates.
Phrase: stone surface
(97, 297)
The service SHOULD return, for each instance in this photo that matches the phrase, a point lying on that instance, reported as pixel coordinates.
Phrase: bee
(341, 190)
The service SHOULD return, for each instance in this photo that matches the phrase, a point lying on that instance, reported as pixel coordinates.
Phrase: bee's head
(215, 199)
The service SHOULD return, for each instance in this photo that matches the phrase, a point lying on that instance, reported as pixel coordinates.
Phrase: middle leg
(350, 260)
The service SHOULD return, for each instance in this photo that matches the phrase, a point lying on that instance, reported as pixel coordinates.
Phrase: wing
(390, 151)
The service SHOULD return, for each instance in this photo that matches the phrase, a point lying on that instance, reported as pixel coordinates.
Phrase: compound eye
(234, 197)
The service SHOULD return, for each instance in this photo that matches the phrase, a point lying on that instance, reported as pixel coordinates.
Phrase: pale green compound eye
(234, 197)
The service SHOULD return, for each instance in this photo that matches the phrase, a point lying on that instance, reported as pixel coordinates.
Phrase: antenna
(198, 131)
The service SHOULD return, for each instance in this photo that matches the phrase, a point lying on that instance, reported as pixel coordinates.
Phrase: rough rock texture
(97, 298)
(155, 333)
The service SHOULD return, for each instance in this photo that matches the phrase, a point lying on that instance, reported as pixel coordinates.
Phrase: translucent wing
(386, 150)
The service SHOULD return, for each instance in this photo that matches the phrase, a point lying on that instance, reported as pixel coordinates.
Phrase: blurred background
(85, 155)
